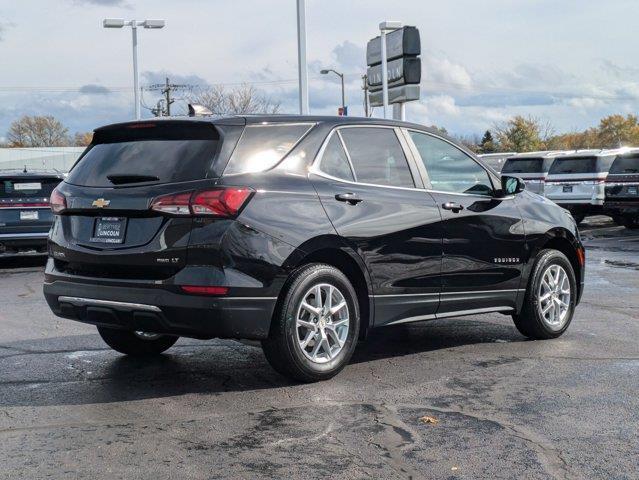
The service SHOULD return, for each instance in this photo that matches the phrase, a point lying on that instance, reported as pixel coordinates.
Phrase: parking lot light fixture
(134, 24)
(341, 76)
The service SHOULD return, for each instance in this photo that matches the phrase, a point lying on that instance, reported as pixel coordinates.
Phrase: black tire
(630, 223)
(529, 321)
(282, 349)
(127, 342)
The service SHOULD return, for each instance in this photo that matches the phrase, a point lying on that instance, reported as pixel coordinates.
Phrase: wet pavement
(460, 398)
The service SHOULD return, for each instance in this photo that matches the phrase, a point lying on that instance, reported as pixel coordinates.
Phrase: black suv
(25, 215)
(301, 232)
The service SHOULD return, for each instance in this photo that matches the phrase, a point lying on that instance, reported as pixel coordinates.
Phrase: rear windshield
(523, 165)
(574, 165)
(625, 165)
(27, 187)
(158, 154)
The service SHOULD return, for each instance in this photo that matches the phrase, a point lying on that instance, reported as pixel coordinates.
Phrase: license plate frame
(567, 189)
(109, 230)
(29, 215)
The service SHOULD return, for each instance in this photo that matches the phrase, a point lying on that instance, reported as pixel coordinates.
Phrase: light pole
(301, 57)
(341, 76)
(383, 28)
(134, 24)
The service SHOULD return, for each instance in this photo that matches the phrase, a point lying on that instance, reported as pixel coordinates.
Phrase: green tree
(37, 131)
(487, 144)
(523, 134)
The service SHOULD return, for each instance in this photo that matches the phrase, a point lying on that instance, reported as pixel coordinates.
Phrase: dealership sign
(404, 67)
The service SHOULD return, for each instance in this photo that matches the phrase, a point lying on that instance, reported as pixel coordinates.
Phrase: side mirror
(512, 185)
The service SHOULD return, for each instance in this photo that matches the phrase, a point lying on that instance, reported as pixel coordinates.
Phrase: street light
(341, 76)
(134, 24)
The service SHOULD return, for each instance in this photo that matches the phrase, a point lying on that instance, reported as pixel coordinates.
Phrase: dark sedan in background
(25, 215)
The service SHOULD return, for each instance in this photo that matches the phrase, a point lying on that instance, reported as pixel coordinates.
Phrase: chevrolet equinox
(301, 232)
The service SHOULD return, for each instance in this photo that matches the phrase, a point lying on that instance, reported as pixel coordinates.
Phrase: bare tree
(245, 99)
(37, 131)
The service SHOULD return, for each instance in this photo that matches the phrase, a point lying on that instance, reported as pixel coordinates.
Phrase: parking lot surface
(458, 398)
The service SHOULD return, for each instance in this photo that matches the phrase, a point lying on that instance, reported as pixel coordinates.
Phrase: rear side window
(377, 156)
(334, 160)
(261, 147)
(27, 187)
(159, 154)
(449, 169)
(574, 165)
(625, 165)
(521, 165)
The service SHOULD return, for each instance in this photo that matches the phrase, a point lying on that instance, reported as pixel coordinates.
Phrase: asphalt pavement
(466, 398)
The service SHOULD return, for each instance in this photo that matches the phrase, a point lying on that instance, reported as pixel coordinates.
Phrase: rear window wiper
(119, 179)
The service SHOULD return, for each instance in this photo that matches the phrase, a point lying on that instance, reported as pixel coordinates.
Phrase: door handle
(455, 207)
(348, 197)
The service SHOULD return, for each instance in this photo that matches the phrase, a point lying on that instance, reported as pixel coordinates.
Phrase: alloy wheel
(553, 297)
(322, 323)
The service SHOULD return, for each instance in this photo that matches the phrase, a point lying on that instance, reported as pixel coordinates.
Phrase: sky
(569, 62)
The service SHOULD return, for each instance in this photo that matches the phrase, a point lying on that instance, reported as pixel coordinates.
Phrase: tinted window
(163, 153)
(377, 156)
(450, 169)
(523, 165)
(625, 165)
(574, 165)
(27, 187)
(334, 160)
(262, 146)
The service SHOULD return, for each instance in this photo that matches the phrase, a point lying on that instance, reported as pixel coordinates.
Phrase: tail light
(58, 201)
(224, 202)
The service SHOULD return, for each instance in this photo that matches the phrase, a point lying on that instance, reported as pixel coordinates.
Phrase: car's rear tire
(315, 326)
(136, 343)
(550, 299)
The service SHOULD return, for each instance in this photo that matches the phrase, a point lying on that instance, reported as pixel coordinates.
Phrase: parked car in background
(532, 167)
(622, 189)
(495, 160)
(577, 181)
(25, 214)
(301, 232)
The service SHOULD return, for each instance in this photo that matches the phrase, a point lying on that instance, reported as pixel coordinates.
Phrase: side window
(334, 161)
(450, 169)
(377, 156)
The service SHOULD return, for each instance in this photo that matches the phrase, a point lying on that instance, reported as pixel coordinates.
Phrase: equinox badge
(101, 203)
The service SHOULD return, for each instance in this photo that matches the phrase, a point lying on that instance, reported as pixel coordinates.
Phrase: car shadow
(81, 370)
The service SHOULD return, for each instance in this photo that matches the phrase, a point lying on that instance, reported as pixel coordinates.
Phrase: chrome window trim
(348, 155)
(315, 166)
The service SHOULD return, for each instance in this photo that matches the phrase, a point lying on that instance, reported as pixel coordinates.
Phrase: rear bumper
(158, 310)
(32, 243)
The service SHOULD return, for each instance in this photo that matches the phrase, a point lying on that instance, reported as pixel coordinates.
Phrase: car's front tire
(550, 299)
(136, 343)
(316, 325)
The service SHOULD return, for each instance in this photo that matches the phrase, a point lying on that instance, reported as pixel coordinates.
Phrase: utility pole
(365, 88)
(167, 93)
(163, 108)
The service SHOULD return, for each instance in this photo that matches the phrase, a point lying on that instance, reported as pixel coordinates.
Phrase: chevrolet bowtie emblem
(101, 203)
